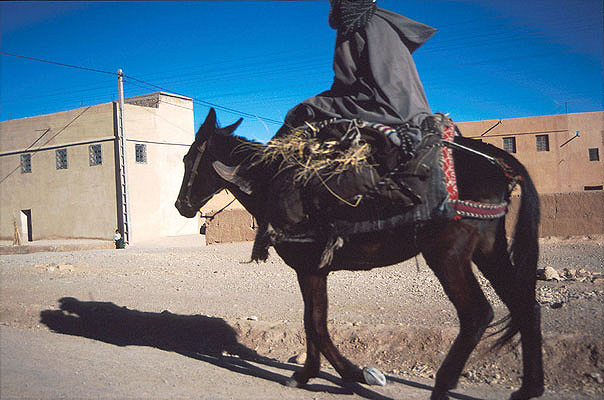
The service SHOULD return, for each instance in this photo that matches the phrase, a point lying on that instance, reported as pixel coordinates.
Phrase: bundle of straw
(310, 157)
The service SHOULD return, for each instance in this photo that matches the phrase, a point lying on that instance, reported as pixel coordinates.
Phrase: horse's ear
(228, 130)
(208, 125)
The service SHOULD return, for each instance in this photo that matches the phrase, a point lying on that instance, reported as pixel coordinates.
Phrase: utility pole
(123, 176)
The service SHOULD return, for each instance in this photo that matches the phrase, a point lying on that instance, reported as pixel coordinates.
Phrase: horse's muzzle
(185, 209)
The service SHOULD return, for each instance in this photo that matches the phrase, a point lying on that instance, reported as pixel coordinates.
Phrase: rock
(551, 274)
(569, 273)
(541, 274)
(374, 376)
(596, 376)
(299, 359)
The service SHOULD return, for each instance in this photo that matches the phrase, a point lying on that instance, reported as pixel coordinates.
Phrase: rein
(211, 217)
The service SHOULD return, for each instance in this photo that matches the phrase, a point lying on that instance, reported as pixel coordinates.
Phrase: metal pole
(124, 197)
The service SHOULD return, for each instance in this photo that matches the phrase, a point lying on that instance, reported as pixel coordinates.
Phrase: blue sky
(490, 59)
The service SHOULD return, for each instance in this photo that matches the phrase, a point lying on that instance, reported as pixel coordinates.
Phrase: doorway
(26, 224)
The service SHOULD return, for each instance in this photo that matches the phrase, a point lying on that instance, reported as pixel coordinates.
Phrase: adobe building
(61, 175)
(563, 153)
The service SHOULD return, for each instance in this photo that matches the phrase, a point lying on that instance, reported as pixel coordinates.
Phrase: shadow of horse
(208, 339)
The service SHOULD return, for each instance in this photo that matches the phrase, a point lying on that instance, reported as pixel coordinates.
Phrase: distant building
(60, 173)
(563, 153)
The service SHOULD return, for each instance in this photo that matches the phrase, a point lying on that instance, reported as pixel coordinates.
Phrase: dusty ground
(189, 299)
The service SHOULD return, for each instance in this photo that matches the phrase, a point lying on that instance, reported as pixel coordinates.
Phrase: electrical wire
(256, 67)
(199, 101)
(205, 103)
(58, 63)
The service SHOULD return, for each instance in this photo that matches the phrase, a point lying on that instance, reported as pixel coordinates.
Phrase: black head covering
(348, 16)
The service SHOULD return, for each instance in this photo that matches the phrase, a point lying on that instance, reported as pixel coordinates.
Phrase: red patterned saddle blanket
(464, 208)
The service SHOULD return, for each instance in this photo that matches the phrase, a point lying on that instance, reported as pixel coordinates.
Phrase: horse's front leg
(312, 365)
(314, 294)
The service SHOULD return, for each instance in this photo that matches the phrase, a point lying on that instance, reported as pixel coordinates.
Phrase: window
(594, 154)
(141, 153)
(95, 156)
(542, 143)
(25, 163)
(509, 144)
(61, 158)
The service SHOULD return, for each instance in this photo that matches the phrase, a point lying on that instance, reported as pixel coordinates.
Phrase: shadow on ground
(203, 338)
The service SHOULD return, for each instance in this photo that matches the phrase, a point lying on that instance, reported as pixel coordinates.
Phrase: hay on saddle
(311, 157)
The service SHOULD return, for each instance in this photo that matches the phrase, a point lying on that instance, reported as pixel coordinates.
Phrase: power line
(58, 63)
(205, 103)
(246, 67)
(199, 101)
(461, 41)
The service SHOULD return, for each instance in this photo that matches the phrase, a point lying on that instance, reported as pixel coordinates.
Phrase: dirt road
(180, 320)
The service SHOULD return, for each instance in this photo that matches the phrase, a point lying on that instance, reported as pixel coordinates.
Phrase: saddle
(352, 177)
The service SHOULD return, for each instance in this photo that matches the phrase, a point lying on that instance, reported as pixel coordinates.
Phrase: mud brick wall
(562, 214)
(566, 214)
(230, 226)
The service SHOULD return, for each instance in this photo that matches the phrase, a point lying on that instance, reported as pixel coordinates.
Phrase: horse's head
(200, 181)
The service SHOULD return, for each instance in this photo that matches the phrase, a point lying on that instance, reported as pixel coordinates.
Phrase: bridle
(194, 172)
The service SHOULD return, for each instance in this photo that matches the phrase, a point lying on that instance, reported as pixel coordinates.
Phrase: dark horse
(449, 247)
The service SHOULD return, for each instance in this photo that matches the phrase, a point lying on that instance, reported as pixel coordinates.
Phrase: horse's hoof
(439, 396)
(297, 380)
(527, 393)
(292, 382)
(373, 376)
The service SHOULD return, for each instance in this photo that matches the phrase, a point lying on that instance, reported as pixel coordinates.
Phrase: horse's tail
(525, 244)
(524, 251)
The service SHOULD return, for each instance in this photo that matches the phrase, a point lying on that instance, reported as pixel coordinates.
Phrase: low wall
(562, 214)
(230, 226)
(566, 214)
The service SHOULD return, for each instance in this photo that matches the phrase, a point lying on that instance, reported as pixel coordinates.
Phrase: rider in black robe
(375, 76)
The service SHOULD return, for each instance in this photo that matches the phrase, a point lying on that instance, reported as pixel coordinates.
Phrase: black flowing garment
(375, 76)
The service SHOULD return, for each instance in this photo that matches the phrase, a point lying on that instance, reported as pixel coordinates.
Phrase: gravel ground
(395, 318)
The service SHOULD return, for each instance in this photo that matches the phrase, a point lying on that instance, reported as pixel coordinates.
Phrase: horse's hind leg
(314, 294)
(449, 256)
(518, 294)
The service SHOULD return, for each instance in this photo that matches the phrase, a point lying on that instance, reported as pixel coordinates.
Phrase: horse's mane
(240, 149)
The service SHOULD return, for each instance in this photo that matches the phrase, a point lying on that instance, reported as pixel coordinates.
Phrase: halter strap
(200, 150)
